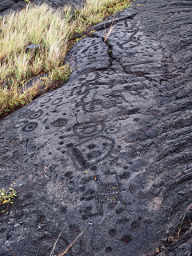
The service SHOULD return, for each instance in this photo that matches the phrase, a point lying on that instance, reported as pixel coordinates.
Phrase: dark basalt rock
(109, 153)
(13, 5)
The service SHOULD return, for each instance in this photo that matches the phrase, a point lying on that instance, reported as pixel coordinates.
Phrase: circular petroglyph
(88, 129)
(29, 127)
(45, 99)
(36, 114)
(112, 129)
(60, 122)
(57, 101)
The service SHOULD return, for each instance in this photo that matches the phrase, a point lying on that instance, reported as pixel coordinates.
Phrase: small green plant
(27, 1)
(7, 198)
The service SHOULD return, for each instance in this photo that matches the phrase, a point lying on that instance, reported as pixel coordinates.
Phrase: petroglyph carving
(88, 129)
(104, 194)
(91, 151)
(36, 114)
(92, 101)
(60, 122)
(112, 147)
(29, 127)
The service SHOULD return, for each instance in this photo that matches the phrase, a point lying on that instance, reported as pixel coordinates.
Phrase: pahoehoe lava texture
(109, 153)
(9, 5)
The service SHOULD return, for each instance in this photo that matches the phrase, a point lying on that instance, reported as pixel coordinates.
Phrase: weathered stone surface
(12, 5)
(109, 153)
(5, 4)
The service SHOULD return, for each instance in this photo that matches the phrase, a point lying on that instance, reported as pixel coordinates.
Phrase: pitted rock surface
(109, 153)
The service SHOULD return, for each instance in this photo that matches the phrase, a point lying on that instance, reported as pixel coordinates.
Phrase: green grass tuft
(7, 198)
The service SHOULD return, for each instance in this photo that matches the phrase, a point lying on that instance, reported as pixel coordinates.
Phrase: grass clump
(50, 33)
(7, 198)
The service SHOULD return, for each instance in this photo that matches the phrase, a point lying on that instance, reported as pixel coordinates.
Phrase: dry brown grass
(52, 31)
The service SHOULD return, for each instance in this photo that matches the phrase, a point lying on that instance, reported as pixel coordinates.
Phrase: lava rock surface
(109, 153)
(13, 5)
